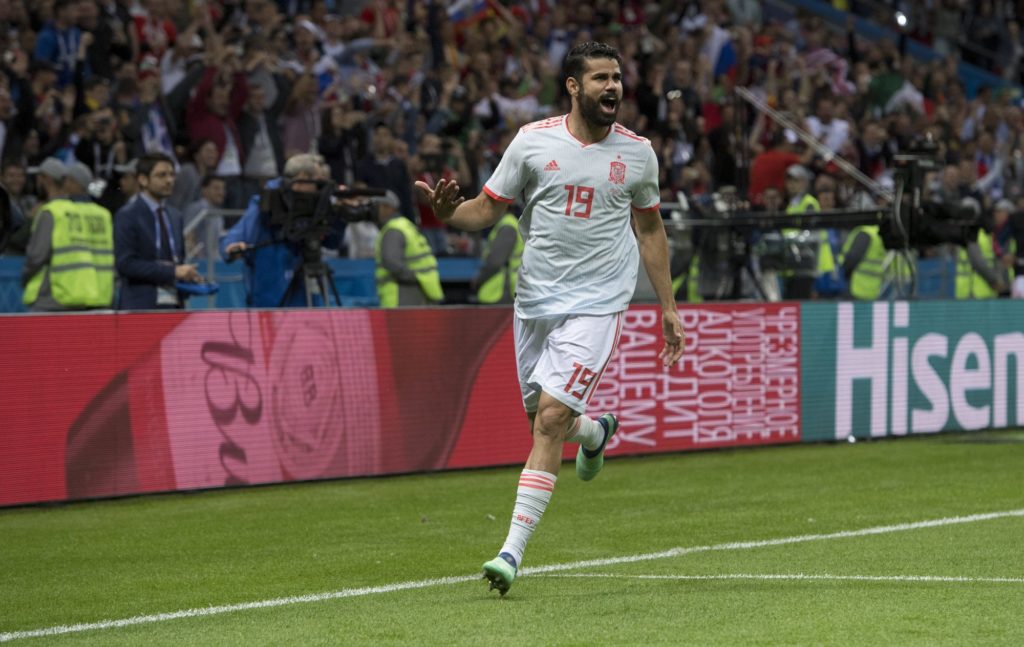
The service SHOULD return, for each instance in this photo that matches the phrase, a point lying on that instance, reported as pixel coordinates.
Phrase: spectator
(381, 169)
(768, 169)
(69, 262)
(432, 167)
(213, 114)
(206, 234)
(152, 32)
(59, 40)
(109, 46)
(149, 243)
(344, 140)
(101, 149)
(826, 128)
(127, 184)
(15, 180)
(202, 160)
(300, 120)
(257, 127)
(152, 126)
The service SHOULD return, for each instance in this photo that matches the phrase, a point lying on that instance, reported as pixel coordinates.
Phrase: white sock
(588, 432)
(532, 496)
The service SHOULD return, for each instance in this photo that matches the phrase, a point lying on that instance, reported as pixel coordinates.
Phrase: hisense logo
(918, 378)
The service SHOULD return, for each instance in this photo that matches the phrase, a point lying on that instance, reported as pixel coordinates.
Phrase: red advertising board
(105, 405)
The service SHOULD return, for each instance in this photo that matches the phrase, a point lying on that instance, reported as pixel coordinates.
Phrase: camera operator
(981, 268)
(406, 268)
(271, 260)
(799, 280)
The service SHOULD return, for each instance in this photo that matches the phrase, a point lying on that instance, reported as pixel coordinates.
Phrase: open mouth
(609, 103)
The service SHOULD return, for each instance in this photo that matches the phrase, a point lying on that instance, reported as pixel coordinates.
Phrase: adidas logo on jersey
(552, 166)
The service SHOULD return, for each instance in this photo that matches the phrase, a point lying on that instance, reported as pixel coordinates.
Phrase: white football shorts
(564, 356)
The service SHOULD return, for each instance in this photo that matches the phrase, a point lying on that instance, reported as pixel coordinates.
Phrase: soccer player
(584, 180)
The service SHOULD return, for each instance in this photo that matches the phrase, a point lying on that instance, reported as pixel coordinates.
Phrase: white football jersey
(581, 256)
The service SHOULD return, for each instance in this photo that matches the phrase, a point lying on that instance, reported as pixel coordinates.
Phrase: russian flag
(467, 12)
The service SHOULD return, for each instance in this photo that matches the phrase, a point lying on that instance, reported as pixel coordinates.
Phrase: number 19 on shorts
(581, 376)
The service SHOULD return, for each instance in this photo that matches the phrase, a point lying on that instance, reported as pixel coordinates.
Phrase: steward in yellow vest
(499, 271)
(864, 261)
(799, 281)
(406, 267)
(979, 274)
(69, 261)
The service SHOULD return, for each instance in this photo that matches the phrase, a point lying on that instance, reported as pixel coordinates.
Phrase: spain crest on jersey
(617, 173)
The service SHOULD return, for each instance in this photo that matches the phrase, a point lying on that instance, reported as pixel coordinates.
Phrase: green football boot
(589, 463)
(501, 571)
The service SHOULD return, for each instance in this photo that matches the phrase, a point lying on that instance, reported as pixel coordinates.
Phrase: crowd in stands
(391, 91)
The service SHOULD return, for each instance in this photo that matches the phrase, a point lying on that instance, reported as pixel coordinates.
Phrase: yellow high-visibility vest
(81, 267)
(493, 289)
(418, 258)
(970, 284)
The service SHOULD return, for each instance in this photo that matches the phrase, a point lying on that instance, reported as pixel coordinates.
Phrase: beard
(590, 110)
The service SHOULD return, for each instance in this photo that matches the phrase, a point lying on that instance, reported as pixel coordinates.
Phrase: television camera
(305, 218)
(918, 222)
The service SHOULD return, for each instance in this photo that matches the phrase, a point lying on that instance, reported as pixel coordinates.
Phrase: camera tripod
(736, 268)
(314, 276)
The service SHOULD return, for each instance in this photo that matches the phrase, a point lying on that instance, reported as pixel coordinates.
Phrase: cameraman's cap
(1005, 205)
(78, 173)
(798, 172)
(391, 198)
(51, 167)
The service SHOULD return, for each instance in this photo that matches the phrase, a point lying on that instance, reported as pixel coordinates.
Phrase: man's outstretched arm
(469, 215)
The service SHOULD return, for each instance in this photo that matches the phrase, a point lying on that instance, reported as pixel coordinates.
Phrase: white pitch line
(803, 576)
(551, 568)
(764, 543)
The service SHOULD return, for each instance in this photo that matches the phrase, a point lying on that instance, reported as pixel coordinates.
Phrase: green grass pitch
(762, 556)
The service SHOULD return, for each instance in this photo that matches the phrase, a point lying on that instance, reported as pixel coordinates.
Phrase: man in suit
(149, 245)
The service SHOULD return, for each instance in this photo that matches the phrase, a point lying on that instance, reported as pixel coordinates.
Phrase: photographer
(271, 260)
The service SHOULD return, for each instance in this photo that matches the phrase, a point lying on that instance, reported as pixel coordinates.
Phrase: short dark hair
(210, 178)
(61, 5)
(575, 60)
(149, 161)
(195, 145)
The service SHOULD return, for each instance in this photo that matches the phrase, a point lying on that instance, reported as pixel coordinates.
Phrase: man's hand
(187, 273)
(443, 199)
(234, 250)
(672, 329)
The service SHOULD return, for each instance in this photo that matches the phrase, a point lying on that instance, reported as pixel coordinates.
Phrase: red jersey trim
(551, 122)
(494, 196)
(629, 133)
(647, 209)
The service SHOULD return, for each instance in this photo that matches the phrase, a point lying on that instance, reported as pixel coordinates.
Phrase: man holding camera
(271, 260)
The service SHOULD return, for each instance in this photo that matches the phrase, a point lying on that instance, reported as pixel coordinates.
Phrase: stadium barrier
(107, 405)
